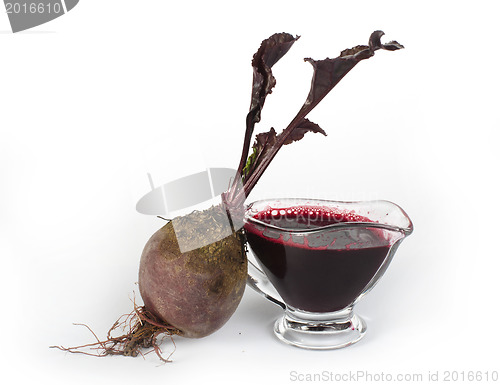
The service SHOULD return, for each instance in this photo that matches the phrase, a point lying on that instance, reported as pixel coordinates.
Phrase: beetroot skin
(197, 291)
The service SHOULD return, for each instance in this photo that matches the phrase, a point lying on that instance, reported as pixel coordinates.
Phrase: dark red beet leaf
(298, 133)
(265, 141)
(269, 53)
(271, 50)
(327, 74)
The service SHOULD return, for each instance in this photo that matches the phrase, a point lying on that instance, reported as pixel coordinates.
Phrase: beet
(195, 291)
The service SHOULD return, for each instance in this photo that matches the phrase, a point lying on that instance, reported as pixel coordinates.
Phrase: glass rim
(407, 230)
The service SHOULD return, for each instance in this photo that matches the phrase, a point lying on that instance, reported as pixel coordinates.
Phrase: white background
(94, 100)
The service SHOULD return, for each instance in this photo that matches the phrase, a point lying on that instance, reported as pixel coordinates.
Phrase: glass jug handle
(258, 281)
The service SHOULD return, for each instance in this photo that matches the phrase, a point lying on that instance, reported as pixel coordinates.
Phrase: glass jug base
(319, 335)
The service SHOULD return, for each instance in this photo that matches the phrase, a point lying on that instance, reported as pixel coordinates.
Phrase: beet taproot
(196, 291)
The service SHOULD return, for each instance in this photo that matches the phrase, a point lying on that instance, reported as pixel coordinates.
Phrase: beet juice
(316, 263)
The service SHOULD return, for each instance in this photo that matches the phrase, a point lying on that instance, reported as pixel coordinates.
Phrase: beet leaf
(327, 74)
(269, 53)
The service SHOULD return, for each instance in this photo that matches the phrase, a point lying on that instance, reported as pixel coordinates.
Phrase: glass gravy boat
(317, 259)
